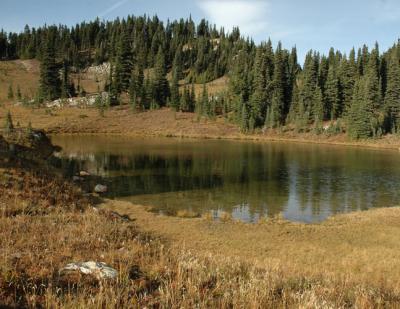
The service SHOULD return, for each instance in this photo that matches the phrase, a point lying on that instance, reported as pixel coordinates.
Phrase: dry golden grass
(22, 73)
(361, 248)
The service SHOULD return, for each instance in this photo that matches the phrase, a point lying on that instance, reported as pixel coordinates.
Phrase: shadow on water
(304, 183)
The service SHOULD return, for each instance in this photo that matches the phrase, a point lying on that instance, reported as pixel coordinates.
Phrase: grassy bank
(163, 262)
(121, 120)
(359, 248)
(203, 267)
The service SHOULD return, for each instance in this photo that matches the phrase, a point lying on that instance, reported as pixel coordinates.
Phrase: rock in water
(77, 179)
(84, 174)
(100, 189)
(98, 269)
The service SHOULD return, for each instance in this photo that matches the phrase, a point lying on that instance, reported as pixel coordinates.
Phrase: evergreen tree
(278, 95)
(19, 94)
(203, 104)
(123, 63)
(318, 106)
(360, 114)
(176, 76)
(192, 101)
(332, 95)
(309, 81)
(258, 100)
(67, 88)
(392, 97)
(49, 84)
(185, 100)
(10, 94)
(8, 125)
(160, 83)
(348, 76)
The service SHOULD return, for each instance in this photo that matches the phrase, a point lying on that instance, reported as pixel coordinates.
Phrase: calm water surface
(250, 180)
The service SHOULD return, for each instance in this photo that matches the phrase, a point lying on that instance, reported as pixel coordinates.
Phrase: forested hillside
(156, 64)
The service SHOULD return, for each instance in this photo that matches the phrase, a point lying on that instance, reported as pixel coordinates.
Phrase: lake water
(301, 182)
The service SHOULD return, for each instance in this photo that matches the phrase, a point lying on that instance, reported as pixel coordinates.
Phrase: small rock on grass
(98, 269)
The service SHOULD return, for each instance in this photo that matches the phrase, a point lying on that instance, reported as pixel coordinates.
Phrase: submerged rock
(100, 189)
(98, 269)
(77, 179)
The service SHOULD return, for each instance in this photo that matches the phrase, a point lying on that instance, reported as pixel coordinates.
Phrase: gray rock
(98, 269)
(100, 189)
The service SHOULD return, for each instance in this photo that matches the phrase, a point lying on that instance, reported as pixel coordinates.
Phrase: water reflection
(248, 180)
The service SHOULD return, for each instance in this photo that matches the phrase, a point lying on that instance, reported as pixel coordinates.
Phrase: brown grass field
(166, 262)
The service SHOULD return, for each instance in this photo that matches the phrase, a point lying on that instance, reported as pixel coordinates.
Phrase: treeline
(268, 88)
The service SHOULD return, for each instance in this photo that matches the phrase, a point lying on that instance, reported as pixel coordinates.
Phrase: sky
(306, 24)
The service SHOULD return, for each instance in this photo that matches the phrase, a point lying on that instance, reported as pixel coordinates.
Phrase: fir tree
(203, 103)
(8, 125)
(392, 98)
(360, 114)
(67, 88)
(278, 95)
(318, 106)
(19, 94)
(160, 83)
(10, 94)
(123, 63)
(176, 75)
(258, 100)
(332, 95)
(49, 84)
(185, 100)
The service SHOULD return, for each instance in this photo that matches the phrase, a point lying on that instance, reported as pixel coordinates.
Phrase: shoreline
(120, 121)
(244, 138)
(281, 243)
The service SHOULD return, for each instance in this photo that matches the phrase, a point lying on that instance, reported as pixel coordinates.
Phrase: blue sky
(308, 24)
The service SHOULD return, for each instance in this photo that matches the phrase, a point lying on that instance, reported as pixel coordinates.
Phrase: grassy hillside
(25, 74)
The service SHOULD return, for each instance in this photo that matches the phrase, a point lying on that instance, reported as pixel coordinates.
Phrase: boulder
(99, 270)
(84, 174)
(77, 179)
(100, 189)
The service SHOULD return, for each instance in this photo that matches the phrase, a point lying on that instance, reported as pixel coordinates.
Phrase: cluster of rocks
(87, 101)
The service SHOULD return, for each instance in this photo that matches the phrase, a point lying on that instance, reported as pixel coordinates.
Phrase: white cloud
(250, 15)
(112, 8)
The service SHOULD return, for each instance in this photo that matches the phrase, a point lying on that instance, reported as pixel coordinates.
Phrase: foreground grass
(47, 232)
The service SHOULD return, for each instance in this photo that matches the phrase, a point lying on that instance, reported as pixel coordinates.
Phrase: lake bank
(348, 261)
(360, 247)
(165, 123)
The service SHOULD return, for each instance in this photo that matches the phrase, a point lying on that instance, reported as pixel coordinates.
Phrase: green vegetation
(268, 88)
(8, 125)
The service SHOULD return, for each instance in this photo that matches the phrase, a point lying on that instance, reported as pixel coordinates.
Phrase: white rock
(98, 269)
(84, 174)
(100, 189)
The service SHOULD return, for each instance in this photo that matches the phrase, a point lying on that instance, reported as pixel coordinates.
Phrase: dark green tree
(50, 83)
(123, 63)
(333, 105)
(10, 94)
(160, 84)
(8, 125)
(392, 97)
